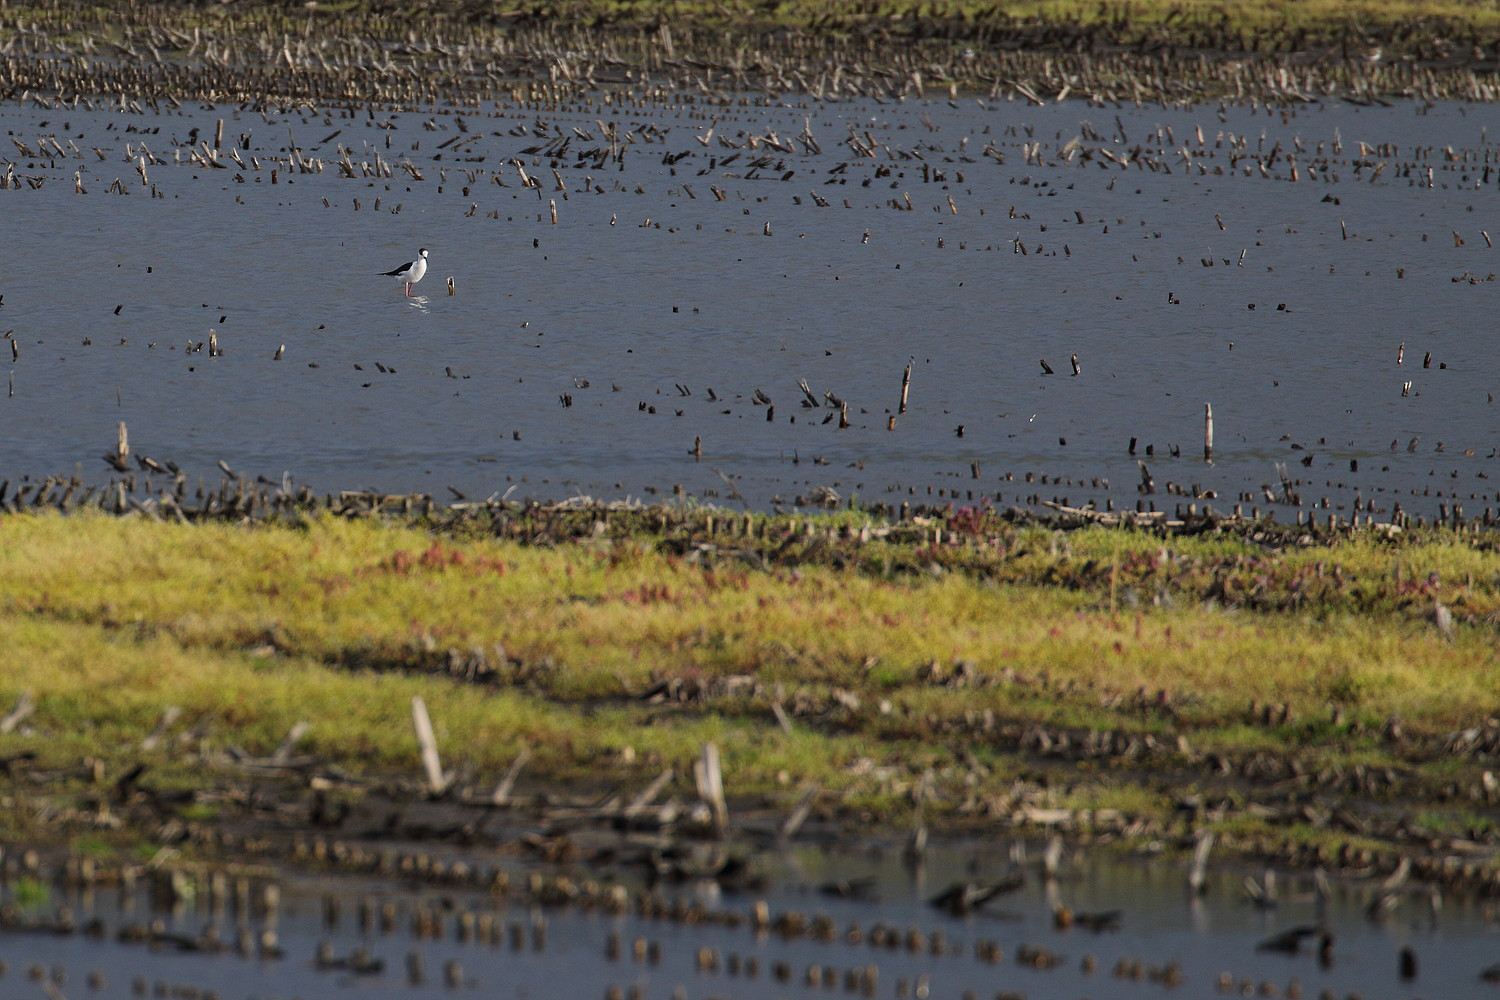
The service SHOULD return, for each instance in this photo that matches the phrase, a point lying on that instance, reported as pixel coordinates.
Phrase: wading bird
(411, 272)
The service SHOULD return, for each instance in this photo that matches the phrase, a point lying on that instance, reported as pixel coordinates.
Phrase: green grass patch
(890, 652)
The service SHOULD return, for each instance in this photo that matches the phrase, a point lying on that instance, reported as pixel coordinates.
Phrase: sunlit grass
(340, 623)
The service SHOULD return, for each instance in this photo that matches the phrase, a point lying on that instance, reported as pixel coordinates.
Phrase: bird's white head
(422, 253)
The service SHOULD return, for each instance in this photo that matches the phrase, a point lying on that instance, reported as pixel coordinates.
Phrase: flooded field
(857, 923)
(758, 301)
(723, 298)
(851, 260)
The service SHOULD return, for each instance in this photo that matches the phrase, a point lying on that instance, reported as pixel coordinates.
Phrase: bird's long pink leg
(408, 289)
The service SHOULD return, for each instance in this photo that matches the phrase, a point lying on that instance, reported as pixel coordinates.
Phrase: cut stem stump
(25, 705)
(711, 786)
(501, 795)
(163, 724)
(1208, 432)
(284, 751)
(436, 780)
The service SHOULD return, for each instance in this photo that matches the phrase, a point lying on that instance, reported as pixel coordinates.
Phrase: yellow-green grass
(607, 618)
(252, 628)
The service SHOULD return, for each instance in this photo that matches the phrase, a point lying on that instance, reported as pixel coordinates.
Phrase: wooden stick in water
(711, 786)
(1197, 874)
(1208, 432)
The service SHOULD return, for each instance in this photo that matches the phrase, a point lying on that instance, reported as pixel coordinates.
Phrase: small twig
(1198, 873)
(25, 705)
(801, 812)
(284, 751)
(711, 786)
(1052, 858)
(436, 780)
(1208, 432)
(734, 492)
(502, 791)
(162, 725)
(642, 801)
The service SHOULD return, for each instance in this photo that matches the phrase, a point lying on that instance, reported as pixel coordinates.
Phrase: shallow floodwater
(560, 951)
(1320, 275)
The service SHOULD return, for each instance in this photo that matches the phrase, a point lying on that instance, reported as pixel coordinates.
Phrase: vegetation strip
(1317, 701)
(375, 54)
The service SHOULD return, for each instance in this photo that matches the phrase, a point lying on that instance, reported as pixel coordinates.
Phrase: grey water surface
(1274, 263)
(1164, 943)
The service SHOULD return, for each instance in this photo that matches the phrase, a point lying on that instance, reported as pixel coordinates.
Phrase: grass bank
(1320, 700)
